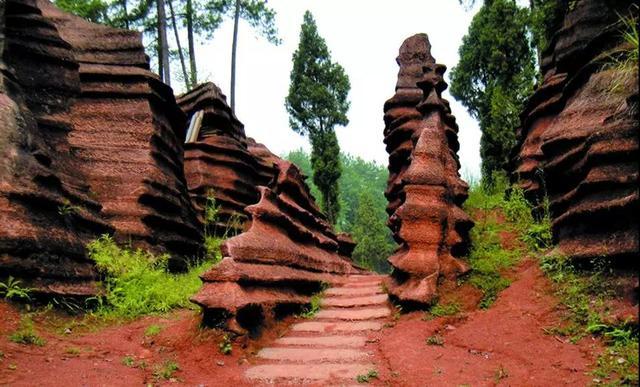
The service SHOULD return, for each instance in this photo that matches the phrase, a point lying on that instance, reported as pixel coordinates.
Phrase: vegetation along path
(332, 346)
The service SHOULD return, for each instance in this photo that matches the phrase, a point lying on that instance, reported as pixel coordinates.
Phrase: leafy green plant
(12, 290)
(225, 346)
(166, 370)
(67, 209)
(366, 378)
(314, 306)
(152, 330)
(213, 235)
(624, 63)
(128, 361)
(26, 333)
(138, 282)
(440, 310)
(435, 340)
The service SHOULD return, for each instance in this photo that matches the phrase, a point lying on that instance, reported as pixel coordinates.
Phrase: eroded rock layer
(424, 190)
(273, 268)
(221, 162)
(579, 138)
(47, 209)
(127, 138)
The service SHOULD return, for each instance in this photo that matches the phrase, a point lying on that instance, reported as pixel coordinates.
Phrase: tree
(316, 103)
(495, 76)
(369, 232)
(93, 10)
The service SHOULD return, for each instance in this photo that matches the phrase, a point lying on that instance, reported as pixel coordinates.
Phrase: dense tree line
(362, 203)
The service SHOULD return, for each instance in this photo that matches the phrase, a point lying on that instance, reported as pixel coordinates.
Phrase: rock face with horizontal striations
(424, 190)
(90, 143)
(220, 162)
(127, 137)
(48, 211)
(579, 137)
(274, 268)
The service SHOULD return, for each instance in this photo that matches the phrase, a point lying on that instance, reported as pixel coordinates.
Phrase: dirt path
(333, 347)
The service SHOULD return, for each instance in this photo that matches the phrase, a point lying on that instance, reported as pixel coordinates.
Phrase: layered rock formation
(91, 144)
(47, 210)
(424, 190)
(220, 161)
(579, 138)
(273, 268)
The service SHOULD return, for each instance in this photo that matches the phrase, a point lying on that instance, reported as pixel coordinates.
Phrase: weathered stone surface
(579, 138)
(424, 190)
(220, 163)
(47, 210)
(90, 144)
(287, 253)
(127, 137)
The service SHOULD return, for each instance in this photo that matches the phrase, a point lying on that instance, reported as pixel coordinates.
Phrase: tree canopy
(495, 76)
(316, 103)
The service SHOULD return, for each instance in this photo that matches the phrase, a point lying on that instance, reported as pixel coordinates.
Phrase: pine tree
(370, 234)
(317, 103)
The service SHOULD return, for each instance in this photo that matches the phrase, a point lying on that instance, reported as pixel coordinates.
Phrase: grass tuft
(26, 333)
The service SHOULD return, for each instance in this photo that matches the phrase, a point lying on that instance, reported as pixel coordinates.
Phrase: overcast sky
(364, 37)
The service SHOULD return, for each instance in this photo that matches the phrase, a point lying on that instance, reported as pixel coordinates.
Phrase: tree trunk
(192, 48)
(180, 54)
(126, 14)
(163, 44)
(233, 56)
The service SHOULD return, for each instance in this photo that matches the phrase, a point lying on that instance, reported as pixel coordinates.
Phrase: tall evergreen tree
(317, 103)
(370, 234)
(495, 76)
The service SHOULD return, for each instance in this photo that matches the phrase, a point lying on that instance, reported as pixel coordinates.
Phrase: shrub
(12, 290)
(138, 283)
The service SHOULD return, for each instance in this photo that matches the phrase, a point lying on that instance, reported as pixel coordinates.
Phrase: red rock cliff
(424, 190)
(579, 137)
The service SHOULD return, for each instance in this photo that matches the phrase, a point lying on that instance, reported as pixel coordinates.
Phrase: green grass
(435, 340)
(366, 378)
(441, 310)
(583, 294)
(314, 306)
(166, 370)
(624, 63)
(152, 330)
(128, 361)
(26, 333)
(138, 283)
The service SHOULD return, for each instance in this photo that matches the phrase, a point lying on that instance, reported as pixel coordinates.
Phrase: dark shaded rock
(579, 138)
(424, 190)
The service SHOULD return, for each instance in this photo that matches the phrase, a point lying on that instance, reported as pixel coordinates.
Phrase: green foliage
(93, 10)
(362, 204)
(624, 62)
(435, 340)
(314, 306)
(546, 16)
(584, 293)
(11, 290)
(138, 283)
(225, 346)
(26, 333)
(366, 378)
(73, 351)
(214, 234)
(166, 370)
(128, 361)
(440, 310)
(494, 77)
(152, 330)
(316, 103)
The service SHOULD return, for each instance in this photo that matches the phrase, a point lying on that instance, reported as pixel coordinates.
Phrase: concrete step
(312, 355)
(324, 341)
(315, 326)
(354, 314)
(358, 291)
(298, 372)
(343, 302)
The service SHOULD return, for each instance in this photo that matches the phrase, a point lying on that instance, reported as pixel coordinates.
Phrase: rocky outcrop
(127, 137)
(91, 143)
(424, 190)
(220, 162)
(274, 268)
(48, 211)
(579, 137)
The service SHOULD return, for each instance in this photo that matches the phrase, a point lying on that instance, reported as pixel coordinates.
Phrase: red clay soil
(504, 345)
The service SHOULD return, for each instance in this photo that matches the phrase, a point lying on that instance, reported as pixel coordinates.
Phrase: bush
(138, 283)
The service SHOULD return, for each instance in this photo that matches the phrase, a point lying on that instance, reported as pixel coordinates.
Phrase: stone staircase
(331, 348)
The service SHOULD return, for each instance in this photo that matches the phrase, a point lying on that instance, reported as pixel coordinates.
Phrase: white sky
(364, 37)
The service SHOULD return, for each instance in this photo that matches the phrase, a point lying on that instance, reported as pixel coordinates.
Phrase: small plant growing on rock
(435, 340)
(225, 345)
(12, 290)
(166, 370)
(440, 310)
(152, 330)
(128, 361)
(26, 333)
(313, 308)
(66, 209)
(365, 378)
